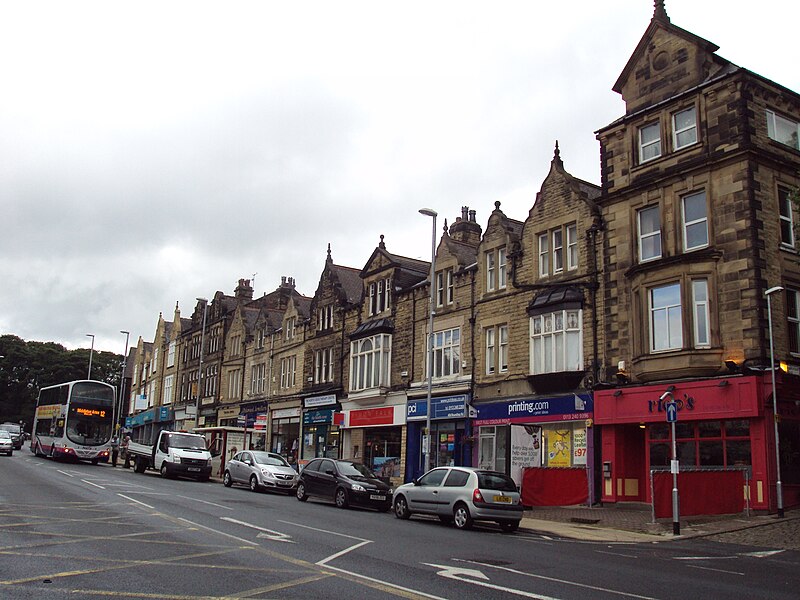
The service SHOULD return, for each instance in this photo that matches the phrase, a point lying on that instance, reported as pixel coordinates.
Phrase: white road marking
(206, 502)
(325, 561)
(275, 536)
(386, 583)
(716, 570)
(617, 554)
(136, 501)
(352, 537)
(217, 531)
(65, 473)
(94, 484)
(464, 574)
(564, 581)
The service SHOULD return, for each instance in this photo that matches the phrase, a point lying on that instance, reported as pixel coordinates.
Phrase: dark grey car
(260, 470)
(462, 495)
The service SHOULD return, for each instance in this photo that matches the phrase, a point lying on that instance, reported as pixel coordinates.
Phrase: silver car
(462, 495)
(6, 443)
(260, 470)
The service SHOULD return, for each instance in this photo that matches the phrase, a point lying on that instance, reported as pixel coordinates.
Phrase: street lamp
(122, 376)
(779, 486)
(91, 335)
(427, 445)
(200, 373)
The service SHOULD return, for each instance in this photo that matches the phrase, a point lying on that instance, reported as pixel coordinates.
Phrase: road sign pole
(672, 417)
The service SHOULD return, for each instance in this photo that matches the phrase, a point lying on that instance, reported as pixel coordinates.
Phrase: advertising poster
(559, 448)
(526, 443)
(579, 447)
(386, 466)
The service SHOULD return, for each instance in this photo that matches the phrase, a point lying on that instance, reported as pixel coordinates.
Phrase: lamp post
(91, 335)
(779, 485)
(200, 373)
(122, 377)
(427, 445)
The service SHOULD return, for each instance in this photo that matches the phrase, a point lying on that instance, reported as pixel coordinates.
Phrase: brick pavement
(636, 519)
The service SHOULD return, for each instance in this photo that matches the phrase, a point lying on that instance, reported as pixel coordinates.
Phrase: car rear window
(496, 481)
(456, 479)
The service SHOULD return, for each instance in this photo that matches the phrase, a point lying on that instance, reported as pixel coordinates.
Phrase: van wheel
(139, 466)
(164, 472)
(226, 479)
(254, 487)
(461, 517)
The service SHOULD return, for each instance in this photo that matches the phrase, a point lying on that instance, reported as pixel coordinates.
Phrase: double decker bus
(74, 420)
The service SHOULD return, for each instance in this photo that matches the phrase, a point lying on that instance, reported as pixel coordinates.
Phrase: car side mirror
(415, 482)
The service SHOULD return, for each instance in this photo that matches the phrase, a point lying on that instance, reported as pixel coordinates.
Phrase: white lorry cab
(174, 454)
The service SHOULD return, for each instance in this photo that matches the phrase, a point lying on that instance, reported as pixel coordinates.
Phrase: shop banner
(526, 449)
(320, 401)
(536, 410)
(448, 407)
(554, 487)
(701, 493)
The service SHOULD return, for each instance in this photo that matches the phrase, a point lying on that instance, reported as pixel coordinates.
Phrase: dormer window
(496, 269)
(290, 327)
(325, 317)
(649, 142)
(379, 296)
(444, 287)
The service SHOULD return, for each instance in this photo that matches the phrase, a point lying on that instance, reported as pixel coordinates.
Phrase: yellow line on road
(280, 586)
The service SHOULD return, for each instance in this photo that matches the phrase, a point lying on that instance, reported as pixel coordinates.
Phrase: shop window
(701, 443)
(382, 451)
(493, 444)
(564, 445)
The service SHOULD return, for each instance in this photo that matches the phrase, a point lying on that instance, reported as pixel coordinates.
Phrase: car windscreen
(10, 428)
(349, 469)
(187, 442)
(4, 434)
(496, 481)
(265, 458)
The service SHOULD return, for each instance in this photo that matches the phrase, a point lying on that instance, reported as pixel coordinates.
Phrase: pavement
(633, 523)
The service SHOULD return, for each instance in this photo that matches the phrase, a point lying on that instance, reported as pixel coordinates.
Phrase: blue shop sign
(531, 410)
(165, 413)
(313, 417)
(447, 407)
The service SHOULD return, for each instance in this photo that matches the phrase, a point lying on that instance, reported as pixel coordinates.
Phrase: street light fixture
(91, 335)
(200, 373)
(779, 485)
(427, 440)
(122, 377)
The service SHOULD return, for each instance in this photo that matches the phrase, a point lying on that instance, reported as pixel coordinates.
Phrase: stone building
(696, 179)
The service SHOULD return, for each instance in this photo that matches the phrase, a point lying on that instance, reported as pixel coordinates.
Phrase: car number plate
(194, 468)
(503, 499)
(376, 497)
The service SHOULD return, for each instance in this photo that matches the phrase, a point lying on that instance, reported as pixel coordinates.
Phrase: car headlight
(267, 473)
(177, 460)
(358, 488)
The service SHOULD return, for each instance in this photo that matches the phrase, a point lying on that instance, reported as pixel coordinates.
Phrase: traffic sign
(672, 412)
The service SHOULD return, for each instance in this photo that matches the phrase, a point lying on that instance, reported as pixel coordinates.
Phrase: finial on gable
(557, 156)
(660, 13)
(445, 227)
(382, 246)
(497, 204)
(329, 259)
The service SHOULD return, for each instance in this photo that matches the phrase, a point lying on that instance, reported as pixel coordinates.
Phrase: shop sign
(536, 410)
(661, 406)
(313, 417)
(260, 423)
(286, 413)
(164, 413)
(142, 418)
(372, 416)
(320, 401)
(448, 407)
(228, 413)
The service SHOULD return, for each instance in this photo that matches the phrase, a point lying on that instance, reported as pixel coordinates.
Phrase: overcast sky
(154, 152)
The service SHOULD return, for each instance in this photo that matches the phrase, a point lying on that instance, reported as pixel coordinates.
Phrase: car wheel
(341, 498)
(401, 508)
(254, 487)
(461, 517)
(300, 494)
(509, 526)
(226, 479)
(164, 472)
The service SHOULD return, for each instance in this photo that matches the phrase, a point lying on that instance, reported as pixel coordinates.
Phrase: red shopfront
(723, 424)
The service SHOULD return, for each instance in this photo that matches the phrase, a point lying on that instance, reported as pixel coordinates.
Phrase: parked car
(16, 433)
(345, 482)
(260, 470)
(462, 495)
(6, 443)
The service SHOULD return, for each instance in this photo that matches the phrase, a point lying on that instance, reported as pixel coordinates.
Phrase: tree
(29, 366)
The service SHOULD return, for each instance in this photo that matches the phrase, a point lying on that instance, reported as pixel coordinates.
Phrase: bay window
(369, 362)
(556, 341)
